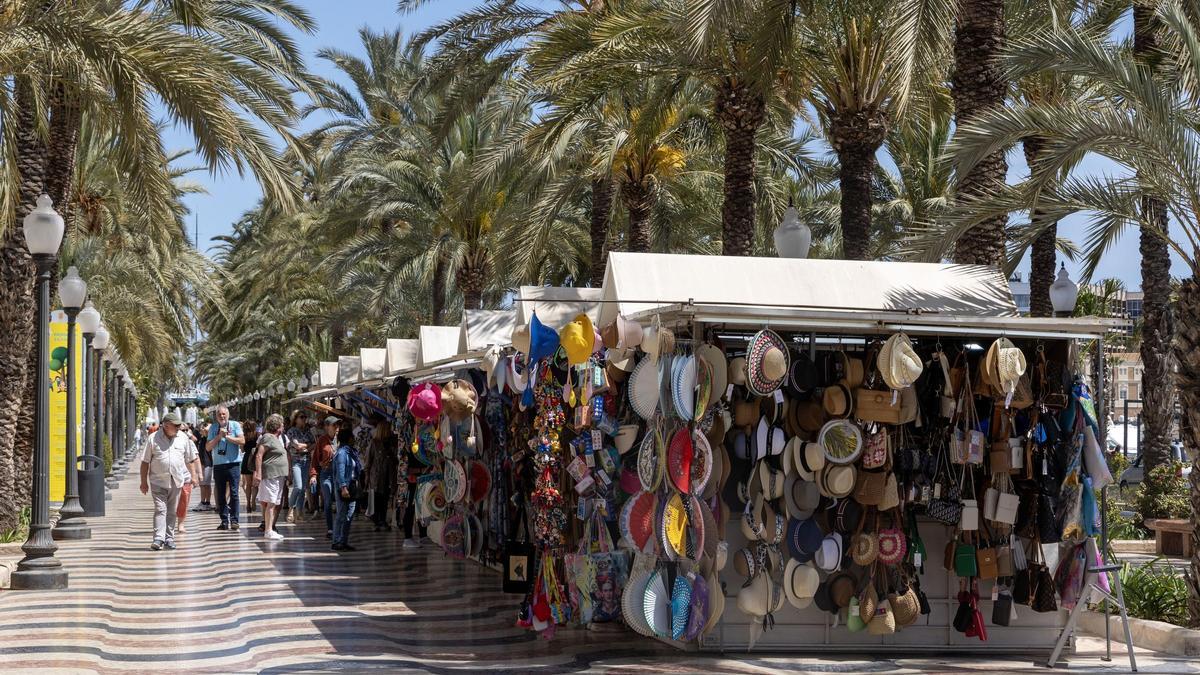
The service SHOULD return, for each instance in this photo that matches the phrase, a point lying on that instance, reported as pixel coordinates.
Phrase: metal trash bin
(91, 485)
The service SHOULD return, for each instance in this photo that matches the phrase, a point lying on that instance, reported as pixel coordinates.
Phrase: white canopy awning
(437, 343)
(556, 306)
(372, 361)
(329, 374)
(402, 355)
(349, 370)
(636, 282)
(483, 328)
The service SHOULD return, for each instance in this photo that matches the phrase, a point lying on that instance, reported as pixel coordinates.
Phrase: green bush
(1154, 590)
(1122, 526)
(108, 455)
(1117, 463)
(21, 531)
(1163, 494)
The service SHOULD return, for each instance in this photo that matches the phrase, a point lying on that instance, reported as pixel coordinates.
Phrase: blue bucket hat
(804, 539)
(543, 341)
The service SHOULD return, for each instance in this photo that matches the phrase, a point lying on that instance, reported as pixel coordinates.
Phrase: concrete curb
(1157, 636)
(1144, 546)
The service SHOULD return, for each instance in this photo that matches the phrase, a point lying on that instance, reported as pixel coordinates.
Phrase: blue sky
(229, 195)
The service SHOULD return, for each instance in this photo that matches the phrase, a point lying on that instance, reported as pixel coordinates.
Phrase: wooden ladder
(1092, 589)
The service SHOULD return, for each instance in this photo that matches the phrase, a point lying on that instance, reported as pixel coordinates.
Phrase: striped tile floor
(231, 602)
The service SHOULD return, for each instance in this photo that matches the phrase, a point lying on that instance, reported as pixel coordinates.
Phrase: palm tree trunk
(741, 112)
(1187, 354)
(438, 288)
(978, 84)
(639, 200)
(1158, 389)
(1042, 254)
(602, 195)
(17, 313)
(472, 277)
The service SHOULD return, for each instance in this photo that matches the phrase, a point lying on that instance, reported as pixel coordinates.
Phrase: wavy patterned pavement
(231, 602)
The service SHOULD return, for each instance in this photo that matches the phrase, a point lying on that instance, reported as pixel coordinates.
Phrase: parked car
(1135, 473)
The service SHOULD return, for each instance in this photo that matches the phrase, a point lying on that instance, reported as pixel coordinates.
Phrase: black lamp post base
(72, 530)
(44, 579)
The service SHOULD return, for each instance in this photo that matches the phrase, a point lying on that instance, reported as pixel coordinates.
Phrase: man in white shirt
(169, 461)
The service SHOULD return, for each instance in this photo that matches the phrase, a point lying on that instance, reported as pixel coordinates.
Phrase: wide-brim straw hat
(767, 362)
(898, 363)
(838, 400)
(837, 480)
(622, 333)
(716, 602)
(800, 582)
(737, 371)
(808, 458)
(809, 414)
(714, 356)
(1009, 363)
(520, 338)
(801, 497)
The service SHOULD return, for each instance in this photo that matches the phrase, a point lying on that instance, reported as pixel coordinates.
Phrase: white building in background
(1020, 291)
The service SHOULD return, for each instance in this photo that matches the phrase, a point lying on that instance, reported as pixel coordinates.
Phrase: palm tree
(978, 85)
(865, 60)
(1145, 126)
(102, 61)
(1158, 391)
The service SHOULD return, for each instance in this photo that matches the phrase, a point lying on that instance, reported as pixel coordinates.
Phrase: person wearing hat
(225, 441)
(320, 470)
(169, 462)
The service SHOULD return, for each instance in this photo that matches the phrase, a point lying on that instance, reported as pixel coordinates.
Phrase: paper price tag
(729, 392)
(1008, 403)
(917, 559)
(778, 394)
(995, 592)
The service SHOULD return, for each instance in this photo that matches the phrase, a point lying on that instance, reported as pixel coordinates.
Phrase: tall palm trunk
(639, 200)
(1158, 388)
(17, 312)
(602, 195)
(1187, 354)
(741, 111)
(472, 276)
(1042, 254)
(856, 137)
(438, 287)
(977, 85)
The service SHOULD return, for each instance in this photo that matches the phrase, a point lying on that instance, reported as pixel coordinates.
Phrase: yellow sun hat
(578, 340)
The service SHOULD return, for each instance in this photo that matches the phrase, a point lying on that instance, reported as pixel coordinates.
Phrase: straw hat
(1009, 364)
(841, 588)
(800, 582)
(838, 400)
(643, 389)
(755, 597)
(898, 363)
(737, 371)
(578, 339)
(808, 458)
(802, 497)
(836, 480)
(459, 399)
(767, 362)
(657, 341)
(622, 334)
(714, 356)
(809, 415)
(772, 480)
(716, 602)
(853, 372)
(520, 338)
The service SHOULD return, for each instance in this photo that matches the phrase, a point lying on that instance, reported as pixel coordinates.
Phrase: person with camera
(225, 441)
(347, 488)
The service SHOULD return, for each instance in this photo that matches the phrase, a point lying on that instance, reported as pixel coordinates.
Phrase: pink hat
(425, 401)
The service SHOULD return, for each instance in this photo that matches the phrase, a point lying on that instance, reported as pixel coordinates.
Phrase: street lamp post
(40, 569)
(89, 323)
(1064, 293)
(71, 292)
(118, 432)
(100, 413)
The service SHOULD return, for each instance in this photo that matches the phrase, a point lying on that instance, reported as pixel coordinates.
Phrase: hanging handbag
(868, 487)
(946, 505)
(970, 507)
(892, 544)
(963, 618)
(518, 559)
(874, 405)
(1007, 502)
(1002, 607)
(1005, 567)
(1041, 583)
(876, 450)
(985, 559)
(965, 562)
(1053, 385)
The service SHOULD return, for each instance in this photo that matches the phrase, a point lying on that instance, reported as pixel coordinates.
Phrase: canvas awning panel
(349, 370)
(372, 361)
(437, 343)
(483, 328)
(402, 355)
(329, 374)
(636, 282)
(556, 306)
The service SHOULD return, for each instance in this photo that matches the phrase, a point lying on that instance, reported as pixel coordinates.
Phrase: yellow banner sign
(59, 359)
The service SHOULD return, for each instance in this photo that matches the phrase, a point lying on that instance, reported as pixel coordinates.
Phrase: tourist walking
(225, 440)
(320, 470)
(347, 472)
(270, 473)
(298, 440)
(185, 495)
(249, 461)
(206, 474)
(380, 470)
(169, 461)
